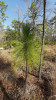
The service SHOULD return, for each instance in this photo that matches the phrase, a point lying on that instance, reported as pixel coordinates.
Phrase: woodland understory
(12, 82)
(28, 50)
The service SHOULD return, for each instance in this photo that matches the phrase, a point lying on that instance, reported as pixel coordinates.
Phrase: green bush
(14, 43)
(6, 44)
(50, 42)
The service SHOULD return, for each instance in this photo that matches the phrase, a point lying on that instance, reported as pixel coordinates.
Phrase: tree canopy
(3, 8)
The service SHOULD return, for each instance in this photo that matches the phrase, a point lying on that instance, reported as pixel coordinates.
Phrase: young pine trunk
(25, 77)
(41, 56)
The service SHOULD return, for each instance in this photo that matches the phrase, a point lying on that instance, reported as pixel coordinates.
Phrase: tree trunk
(26, 72)
(41, 56)
(25, 77)
(26, 69)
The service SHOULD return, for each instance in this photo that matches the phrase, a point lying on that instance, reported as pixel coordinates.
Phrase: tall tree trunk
(19, 30)
(26, 72)
(41, 56)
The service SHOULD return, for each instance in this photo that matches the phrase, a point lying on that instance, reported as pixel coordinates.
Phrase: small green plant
(27, 51)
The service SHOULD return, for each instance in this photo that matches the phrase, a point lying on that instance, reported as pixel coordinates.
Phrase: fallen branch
(52, 97)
